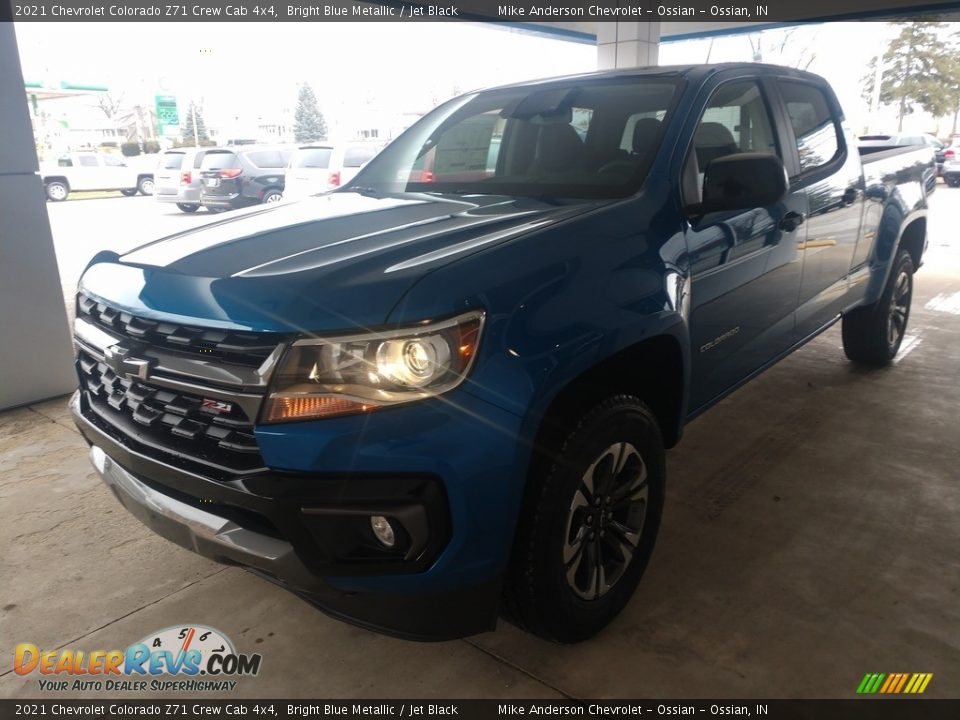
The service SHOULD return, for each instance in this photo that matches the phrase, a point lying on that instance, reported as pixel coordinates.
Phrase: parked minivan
(241, 176)
(320, 167)
(177, 177)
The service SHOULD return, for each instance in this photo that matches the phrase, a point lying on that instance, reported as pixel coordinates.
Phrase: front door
(745, 266)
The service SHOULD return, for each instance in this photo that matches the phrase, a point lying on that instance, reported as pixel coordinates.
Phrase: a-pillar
(627, 44)
(35, 355)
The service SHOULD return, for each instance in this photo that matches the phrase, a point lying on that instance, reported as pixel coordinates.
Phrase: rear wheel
(272, 196)
(188, 207)
(130, 192)
(872, 334)
(57, 191)
(589, 525)
(145, 186)
(952, 180)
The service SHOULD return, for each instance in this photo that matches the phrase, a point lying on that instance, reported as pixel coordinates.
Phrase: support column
(35, 354)
(627, 44)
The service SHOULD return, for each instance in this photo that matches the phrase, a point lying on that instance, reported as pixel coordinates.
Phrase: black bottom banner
(865, 709)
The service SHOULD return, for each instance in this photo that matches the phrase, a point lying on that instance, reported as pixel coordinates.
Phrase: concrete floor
(811, 535)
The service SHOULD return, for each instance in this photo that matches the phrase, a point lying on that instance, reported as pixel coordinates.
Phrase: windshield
(580, 139)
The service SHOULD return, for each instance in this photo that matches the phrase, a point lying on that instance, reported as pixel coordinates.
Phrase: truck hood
(330, 262)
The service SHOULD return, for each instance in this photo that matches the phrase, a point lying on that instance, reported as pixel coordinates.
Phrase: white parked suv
(320, 167)
(81, 171)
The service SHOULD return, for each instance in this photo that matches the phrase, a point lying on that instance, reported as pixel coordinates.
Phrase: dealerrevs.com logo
(188, 658)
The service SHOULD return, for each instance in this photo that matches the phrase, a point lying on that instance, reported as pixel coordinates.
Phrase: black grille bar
(180, 424)
(242, 348)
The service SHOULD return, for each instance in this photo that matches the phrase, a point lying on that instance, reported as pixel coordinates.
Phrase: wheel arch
(913, 239)
(652, 370)
(47, 179)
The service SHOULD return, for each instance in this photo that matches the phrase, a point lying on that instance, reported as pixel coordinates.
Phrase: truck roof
(701, 70)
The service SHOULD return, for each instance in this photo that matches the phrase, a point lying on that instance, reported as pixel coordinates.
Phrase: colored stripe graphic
(894, 683)
(903, 680)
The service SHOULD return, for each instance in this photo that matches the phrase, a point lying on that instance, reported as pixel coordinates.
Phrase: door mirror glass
(742, 182)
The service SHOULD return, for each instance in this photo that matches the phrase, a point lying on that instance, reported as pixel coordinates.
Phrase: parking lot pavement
(797, 552)
(83, 227)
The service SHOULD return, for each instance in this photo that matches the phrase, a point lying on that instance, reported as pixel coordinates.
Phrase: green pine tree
(910, 66)
(308, 122)
(186, 123)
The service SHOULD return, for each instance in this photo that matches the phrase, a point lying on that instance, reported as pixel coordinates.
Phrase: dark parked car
(238, 177)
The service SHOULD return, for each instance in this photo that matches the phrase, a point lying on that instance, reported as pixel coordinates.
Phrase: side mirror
(742, 182)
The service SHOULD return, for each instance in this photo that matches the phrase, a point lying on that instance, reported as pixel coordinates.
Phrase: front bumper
(281, 525)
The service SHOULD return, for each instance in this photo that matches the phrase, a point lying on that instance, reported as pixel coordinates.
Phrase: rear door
(219, 172)
(827, 168)
(166, 177)
(744, 265)
(87, 173)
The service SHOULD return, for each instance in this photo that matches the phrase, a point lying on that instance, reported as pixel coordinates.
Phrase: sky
(253, 69)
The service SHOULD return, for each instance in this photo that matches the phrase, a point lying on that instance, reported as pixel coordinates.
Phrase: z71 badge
(215, 406)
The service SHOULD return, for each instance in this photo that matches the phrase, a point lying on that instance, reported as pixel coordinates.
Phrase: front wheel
(57, 191)
(188, 207)
(590, 523)
(145, 186)
(872, 334)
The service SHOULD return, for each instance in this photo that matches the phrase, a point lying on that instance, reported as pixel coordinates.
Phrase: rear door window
(219, 161)
(818, 137)
(88, 161)
(311, 158)
(358, 155)
(171, 161)
(266, 158)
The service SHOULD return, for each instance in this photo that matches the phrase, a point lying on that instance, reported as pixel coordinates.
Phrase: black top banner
(862, 709)
(538, 11)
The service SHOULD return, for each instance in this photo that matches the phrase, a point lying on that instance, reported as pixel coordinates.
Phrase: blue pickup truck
(443, 393)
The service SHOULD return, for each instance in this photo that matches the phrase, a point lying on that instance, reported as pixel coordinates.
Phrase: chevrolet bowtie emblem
(118, 359)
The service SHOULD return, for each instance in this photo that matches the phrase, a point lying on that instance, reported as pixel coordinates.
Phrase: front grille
(242, 348)
(170, 424)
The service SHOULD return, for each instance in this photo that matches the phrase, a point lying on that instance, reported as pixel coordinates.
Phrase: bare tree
(110, 104)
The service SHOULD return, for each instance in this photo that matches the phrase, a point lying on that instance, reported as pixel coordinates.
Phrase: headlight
(324, 377)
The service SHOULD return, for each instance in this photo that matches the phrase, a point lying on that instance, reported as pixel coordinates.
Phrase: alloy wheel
(605, 521)
(899, 308)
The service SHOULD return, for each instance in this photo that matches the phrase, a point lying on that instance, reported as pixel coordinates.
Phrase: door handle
(791, 221)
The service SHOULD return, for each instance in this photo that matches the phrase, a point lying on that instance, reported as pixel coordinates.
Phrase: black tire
(145, 186)
(552, 589)
(272, 196)
(129, 193)
(952, 180)
(57, 191)
(188, 207)
(872, 334)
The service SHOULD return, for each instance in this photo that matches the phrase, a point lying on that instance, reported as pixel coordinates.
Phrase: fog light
(383, 530)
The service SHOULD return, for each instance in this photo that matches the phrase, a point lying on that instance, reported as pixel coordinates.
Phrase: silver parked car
(321, 167)
(177, 177)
